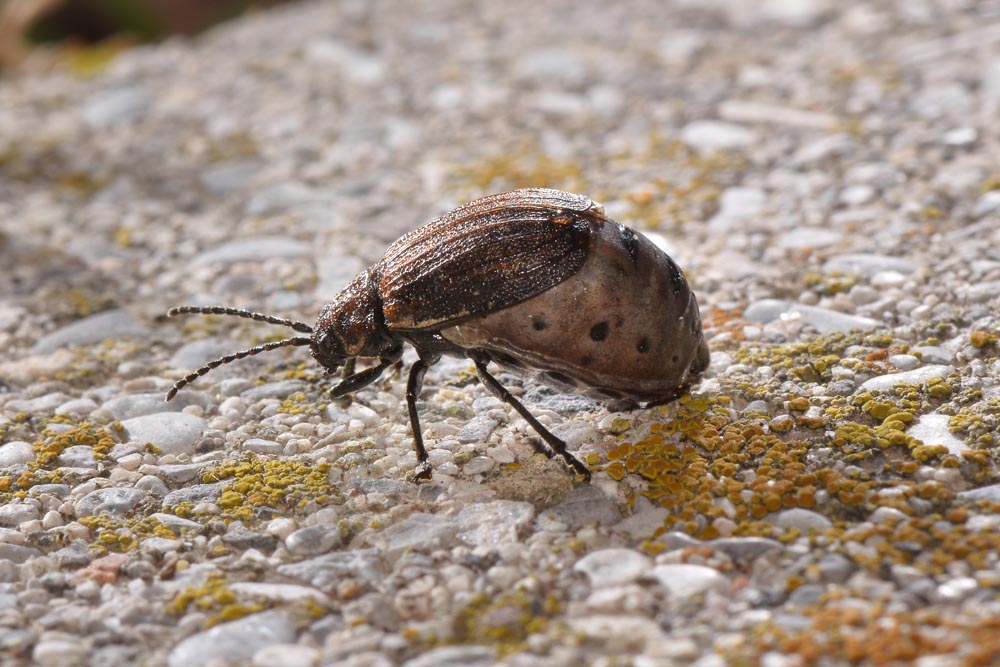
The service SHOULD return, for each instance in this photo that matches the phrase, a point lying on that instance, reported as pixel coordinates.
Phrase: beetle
(538, 281)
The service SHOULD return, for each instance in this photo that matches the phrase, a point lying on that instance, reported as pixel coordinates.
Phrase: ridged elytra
(537, 281)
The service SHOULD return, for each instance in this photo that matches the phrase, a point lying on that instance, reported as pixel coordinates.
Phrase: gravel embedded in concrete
(824, 173)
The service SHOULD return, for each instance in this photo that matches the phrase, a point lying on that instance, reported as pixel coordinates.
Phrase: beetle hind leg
(557, 445)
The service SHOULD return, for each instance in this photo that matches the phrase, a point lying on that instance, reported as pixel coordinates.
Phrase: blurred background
(37, 32)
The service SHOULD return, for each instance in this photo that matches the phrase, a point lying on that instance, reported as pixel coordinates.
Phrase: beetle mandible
(538, 281)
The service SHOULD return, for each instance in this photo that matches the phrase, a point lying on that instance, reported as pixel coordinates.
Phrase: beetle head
(327, 349)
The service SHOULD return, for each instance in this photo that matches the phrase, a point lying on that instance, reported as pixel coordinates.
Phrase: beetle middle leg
(557, 445)
(417, 370)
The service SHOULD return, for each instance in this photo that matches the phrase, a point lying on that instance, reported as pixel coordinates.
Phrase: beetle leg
(417, 370)
(557, 445)
(362, 379)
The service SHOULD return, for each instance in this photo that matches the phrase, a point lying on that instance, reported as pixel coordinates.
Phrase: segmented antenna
(242, 354)
(240, 312)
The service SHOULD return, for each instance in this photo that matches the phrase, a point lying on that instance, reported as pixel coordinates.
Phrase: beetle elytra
(537, 281)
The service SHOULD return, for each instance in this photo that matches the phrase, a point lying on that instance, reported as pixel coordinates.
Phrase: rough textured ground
(826, 173)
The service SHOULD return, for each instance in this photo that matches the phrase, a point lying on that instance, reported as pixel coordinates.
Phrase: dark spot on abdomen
(538, 323)
(600, 331)
(643, 345)
(587, 360)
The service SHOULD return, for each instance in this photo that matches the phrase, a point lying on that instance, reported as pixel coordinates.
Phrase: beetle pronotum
(537, 281)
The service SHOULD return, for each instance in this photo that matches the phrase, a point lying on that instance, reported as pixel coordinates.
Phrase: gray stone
(933, 354)
(868, 264)
(806, 595)
(197, 493)
(713, 135)
(477, 429)
(326, 571)
(77, 456)
(153, 485)
(932, 429)
(231, 176)
(455, 656)
(197, 353)
(678, 540)
(14, 514)
(93, 329)
(278, 592)
(58, 649)
(261, 446)
(586, 505)
(745, 548)
(835, 568)
(182, 473)
(176, 523)
(613, 567)
(682, 580)
(987, 204)
(57, 490)
(418, 532)
(737, 205)
(171, 432)
(16, 553)
(917, 376)
(16, 452)
(280, 389)
(77, 406)
(314, 540)
(116, 500)
(904, 362)
(991, 492)
(823, 149)
(290, 196)
(388, 487)
(107, 108)
(495, 523)
(823, 320)
(242, 539)
(802, 519)
(235, 642)
(809, 237)
(254, 249)
(336, 271)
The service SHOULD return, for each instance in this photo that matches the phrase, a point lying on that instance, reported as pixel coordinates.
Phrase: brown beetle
(536, 280)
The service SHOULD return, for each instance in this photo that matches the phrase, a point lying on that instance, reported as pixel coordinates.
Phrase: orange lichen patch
(717, 320)
(103, 570)
(845, 634)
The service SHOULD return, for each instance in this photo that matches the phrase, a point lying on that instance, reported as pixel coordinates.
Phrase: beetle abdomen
(625, 325)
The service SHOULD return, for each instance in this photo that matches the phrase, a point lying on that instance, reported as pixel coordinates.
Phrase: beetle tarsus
(422, 472)
(557, 445)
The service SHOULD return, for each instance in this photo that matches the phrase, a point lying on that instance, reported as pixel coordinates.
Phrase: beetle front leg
(413, 384)
(362, 379)
(557, 445)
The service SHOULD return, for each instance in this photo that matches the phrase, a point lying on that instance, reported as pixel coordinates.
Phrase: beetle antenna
(240, 312)
(242, 354)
